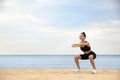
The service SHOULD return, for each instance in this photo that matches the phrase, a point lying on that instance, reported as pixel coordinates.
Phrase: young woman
(88, 53)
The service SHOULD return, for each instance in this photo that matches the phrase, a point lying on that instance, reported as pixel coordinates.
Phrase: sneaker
(77, 70)
(94, 71)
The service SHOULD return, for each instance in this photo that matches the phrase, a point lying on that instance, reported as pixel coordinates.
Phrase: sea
(111, 62)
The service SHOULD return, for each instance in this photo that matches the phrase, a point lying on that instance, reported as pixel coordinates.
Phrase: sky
(50, 27)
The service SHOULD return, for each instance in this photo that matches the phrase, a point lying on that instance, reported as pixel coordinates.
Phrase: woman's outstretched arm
(80, 44)
(76, 45)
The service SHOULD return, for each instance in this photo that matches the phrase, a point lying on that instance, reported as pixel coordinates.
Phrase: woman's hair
(83, 34)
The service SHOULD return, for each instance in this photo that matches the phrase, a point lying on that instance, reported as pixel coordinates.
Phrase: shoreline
(56, 69)
(57, 74)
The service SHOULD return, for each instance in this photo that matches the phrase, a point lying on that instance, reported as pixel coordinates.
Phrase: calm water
(56, 62)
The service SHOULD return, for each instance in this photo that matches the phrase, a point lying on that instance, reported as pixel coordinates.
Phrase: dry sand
(58, 74)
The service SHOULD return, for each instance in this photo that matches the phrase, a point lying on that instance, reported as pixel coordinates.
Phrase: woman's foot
(94, 71)
(77, 70)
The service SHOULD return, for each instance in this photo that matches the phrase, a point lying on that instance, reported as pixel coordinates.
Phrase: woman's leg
(76, 59)
(91, 58)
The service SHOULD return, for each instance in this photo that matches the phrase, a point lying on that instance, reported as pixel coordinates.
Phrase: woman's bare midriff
(87, 52)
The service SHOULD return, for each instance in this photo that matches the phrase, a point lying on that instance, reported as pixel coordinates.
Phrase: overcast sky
(51, 26)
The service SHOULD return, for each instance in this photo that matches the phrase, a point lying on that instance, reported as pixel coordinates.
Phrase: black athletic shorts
(86, 56)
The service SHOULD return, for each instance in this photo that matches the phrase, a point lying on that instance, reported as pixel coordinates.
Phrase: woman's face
(82, 37)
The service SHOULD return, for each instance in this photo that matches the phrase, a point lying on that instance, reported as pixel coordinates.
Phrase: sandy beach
(58, 74)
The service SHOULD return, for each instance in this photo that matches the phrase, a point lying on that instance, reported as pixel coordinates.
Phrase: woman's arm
(86, 43)
(80, 44)
(76, 45)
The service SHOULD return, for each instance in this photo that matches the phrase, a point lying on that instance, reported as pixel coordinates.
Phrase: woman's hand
(73, 45)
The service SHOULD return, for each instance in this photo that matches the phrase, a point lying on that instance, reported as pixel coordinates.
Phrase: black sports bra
(85, 48)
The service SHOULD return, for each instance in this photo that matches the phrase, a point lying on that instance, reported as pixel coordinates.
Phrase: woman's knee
(77, 57)
(91, 57)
